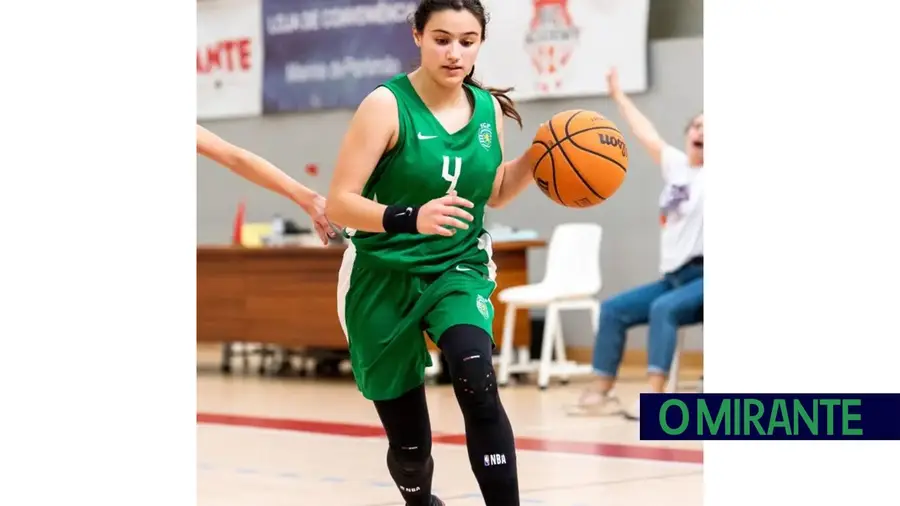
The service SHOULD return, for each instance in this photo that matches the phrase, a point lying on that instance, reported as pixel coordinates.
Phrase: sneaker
(634, 413)
(595, 403)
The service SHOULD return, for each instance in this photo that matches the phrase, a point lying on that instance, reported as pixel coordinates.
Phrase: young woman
(261, 172)
(419, 163)
(676, 298)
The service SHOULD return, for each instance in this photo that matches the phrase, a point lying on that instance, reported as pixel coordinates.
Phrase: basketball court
(272, 441)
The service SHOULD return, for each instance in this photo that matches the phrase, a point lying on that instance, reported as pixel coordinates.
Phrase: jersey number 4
(457, 169)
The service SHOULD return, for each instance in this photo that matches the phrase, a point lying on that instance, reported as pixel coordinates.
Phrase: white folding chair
(572, 280)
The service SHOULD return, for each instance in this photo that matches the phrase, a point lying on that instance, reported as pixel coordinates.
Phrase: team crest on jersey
(482, 305)
(485, 135)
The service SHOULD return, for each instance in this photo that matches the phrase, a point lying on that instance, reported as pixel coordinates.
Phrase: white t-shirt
(681, 210)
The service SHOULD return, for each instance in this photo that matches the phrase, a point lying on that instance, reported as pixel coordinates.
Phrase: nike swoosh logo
(426, 137)
(460, 268)
(407, 212)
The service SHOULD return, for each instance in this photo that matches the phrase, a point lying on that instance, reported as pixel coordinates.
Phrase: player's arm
(373, 130)
(641, 127)
(252, 167)
(513, 176)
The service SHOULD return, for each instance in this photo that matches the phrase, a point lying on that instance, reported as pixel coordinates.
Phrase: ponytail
(506, 104)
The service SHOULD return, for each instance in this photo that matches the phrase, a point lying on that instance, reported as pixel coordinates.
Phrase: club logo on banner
(229, 59)
(562, 48)
(323, 54)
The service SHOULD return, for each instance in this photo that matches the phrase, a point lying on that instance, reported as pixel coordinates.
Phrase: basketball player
(260, 171)
(676, 298)
(419, 163)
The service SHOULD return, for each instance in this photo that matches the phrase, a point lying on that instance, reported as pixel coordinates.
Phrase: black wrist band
(400, 219)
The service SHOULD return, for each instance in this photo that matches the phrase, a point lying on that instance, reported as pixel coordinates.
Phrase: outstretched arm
(641, 127)
(252, 167)
(261, 172)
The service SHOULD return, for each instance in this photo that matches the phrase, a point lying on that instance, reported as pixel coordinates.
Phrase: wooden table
(287, 296)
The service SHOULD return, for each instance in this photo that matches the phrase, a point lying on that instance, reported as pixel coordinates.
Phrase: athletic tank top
(426, 163)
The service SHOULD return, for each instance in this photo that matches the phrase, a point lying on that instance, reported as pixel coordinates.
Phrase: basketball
(578, 158)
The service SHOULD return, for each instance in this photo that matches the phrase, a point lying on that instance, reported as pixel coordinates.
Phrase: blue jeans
(666, 304)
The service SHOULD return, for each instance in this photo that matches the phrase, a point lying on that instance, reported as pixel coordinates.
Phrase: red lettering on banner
(227, 55)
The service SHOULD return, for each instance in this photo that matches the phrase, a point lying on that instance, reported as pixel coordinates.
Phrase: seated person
(676, 298)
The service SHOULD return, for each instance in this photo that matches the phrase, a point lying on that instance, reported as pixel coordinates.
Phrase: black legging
(489, 436)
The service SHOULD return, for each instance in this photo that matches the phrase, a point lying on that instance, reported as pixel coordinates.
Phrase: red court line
(337, 429)
(613, 450)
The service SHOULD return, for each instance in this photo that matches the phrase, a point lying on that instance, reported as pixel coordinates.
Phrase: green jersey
(427, 163)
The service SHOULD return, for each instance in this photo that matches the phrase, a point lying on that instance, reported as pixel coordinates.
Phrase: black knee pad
(468, 351)
(476, 385)
(409, 464)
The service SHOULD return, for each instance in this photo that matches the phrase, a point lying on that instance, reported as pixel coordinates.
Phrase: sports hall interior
(280, 420)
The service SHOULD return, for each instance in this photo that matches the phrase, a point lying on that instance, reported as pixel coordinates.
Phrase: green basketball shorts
(384, 313)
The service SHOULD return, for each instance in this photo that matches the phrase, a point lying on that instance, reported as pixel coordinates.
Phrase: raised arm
(373, 130)
(261, 172)
(641, 127)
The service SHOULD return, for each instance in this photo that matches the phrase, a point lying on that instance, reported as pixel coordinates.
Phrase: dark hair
(423, 14)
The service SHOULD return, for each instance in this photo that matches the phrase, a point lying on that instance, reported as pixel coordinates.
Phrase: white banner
(229, 58)
(563, 48)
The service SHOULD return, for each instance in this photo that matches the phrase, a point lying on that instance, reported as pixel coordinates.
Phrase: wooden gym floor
(266, 441)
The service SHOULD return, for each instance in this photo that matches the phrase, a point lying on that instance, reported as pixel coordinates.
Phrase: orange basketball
(579, 158)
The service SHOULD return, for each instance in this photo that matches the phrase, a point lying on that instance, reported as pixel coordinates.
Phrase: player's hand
(444, 215)
(324, 228)
(612, 80)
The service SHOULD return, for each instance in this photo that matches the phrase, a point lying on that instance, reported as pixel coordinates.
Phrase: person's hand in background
(324, 228)
(612, 80)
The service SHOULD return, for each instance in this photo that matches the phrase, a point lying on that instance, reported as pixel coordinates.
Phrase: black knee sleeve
(409, 459)
(489, 436)
(476, 386)
(410, 470)
(468, 352)
(408, 430)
